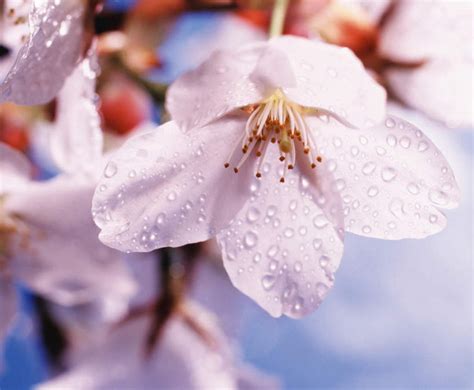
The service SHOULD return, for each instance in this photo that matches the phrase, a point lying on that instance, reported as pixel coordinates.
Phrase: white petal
(283, 247)
(420, 30)
(392, 178)
(181, 359)
(15, 169)
(76, 138)
(167, 188)
(50, 53)
(332, 78)
(216, 87)
(61, 256)
(441, 89)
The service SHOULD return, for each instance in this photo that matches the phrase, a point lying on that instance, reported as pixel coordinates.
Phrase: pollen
(278, 121)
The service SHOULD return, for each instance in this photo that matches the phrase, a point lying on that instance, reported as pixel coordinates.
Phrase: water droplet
(172, 196)
(397, 208)
(250, 239)
(321, 290)
(298, 305)
(337, 142)
(288, 232)
(368, 168)
(273, 265)
(110, 170)
(388, 174)
(433, 218)
(405, 142)
(324, 261)
(271, 211)
(372, 191)
(253, 214)
(363, 140)
(423, 146)
(391, 140)
(332, 165)
(317, 243)
(390, 123)
(302, 230)
(273, 250)
(366, 229)
(354, 151)
(268, 281)
(438, 197)
(160, 219)
(257, 257)
(320, 221)
(413, 188)
(293, 205)
(102, 188)
(298, 266)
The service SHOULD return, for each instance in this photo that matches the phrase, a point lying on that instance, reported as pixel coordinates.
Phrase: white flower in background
(42, 40)
(438, 35)
(281, 115)
(182, 359)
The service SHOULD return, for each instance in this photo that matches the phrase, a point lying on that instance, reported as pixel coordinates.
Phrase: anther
(319, 159)
(282, 158)
(259, 153)
(236, 170)
(313, 165)
(258, 174)
(290, 166)
(282, 179)
(226, 165)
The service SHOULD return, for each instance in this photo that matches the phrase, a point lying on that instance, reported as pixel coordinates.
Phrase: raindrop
(253, 214)
(438, 197)
(422, 146)
(391, 140)
(273, 265)
(288, 232)
(273, 250)
(271, 211)
(366, 229)
(321, 290)
(390, 123)
(268, 281)
(250, 239)
(388, 174)
(405, 142)
(298, 266)
(433, 218)
(317, 243)
(368, 168)
(413, 188)
(293, 205)
(372, 191)
(110, 170)
(172, 196)
(324, 261)
(320, 221)
(132, 174)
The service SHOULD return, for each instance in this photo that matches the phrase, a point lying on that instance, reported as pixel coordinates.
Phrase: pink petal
(60, 255)
(15, 169)
(332, 78)
(50, 53)
(216, 87)
(285, 244)
(440, 88)
(419, 30)
(392, 178)
(76, 139)
(167, 188)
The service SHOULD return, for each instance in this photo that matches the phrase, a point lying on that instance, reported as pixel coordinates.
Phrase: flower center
(277, 121)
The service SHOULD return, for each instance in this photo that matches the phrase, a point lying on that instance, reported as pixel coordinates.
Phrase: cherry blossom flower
(182, 360)
(303, 127)
(45, 40)
(437, 35)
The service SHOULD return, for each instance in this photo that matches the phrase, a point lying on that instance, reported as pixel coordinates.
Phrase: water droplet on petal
(388, 174)
(110, 170)
(268, 281)
(413, 188)
(438, 197)
(368, 168)
(320, 221)
(172, 196)
(253, 214)
(250, 239)
(372, 191)
(273, 250)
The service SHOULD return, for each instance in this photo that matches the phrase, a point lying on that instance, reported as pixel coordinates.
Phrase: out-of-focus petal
(392, 178)
(285, 244)
(14, 30)
(332, 78)
(61, 255)
(167, 188)
(181, 360)
(442, 89)
(15, 169)
(76, 137)
(216, 87)
(420, 30)
(50, 53)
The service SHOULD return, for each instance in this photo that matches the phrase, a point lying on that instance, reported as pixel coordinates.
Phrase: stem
(278, 18)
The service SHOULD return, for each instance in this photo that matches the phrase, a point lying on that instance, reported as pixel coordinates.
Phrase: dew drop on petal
(324, 261)
(273, 250)
(268, 281)
(372, 191)
(320, 221)
(413, 188)
(317, 243)
(172, 196)
(388, 174)
(110, 170)
(250, 239)
(368, 168)
(438, 197)
(253, 214)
